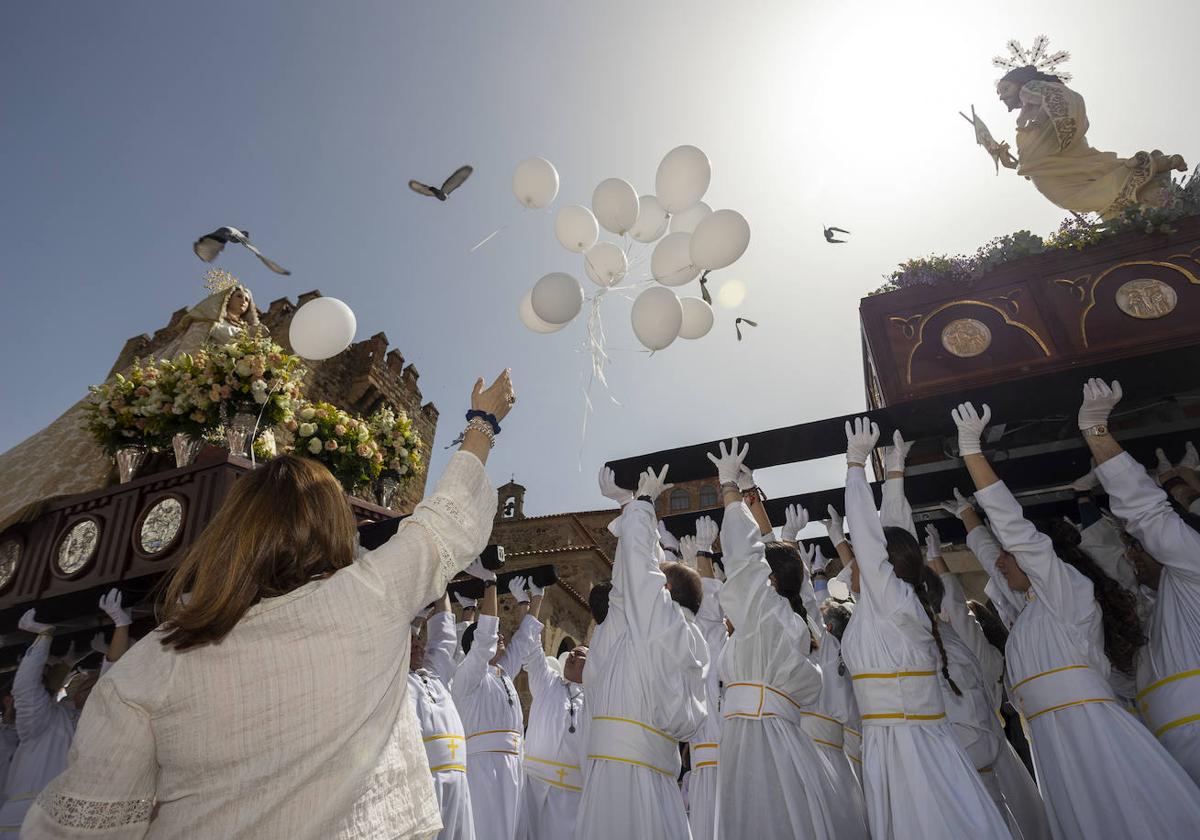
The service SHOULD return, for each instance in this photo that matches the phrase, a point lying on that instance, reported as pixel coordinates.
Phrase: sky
(129, 129)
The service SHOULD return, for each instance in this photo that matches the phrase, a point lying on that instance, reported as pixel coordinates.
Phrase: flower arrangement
(128, 410)
(340, 441)
(253, 375)
(398, 442)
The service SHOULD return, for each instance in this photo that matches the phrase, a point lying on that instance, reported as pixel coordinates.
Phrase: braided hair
(904, 553)
(1118, 607)
(788, 570)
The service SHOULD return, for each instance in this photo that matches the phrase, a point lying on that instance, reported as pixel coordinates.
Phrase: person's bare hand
(497, 399)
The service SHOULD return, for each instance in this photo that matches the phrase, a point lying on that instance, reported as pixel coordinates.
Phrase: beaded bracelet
(481, 425)
(489, 418)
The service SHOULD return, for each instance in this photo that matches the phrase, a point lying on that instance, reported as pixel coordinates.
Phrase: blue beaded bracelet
(484, 415)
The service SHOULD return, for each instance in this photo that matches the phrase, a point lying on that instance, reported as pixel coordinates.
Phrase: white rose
(401, 452)
(315, 446)
(403, 469)
(307, 414)
(307, 429)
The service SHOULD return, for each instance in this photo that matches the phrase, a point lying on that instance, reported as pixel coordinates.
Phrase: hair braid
(937, 638)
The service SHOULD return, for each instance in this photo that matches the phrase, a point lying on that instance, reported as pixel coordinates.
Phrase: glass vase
(129, 461)
(386, 489)
(186, 447)
(239, 432)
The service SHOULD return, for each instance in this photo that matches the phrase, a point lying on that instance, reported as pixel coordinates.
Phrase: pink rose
(321, 414)
(142, 391)
(363, 450)
(292, 425)
(226, 392)
(331, 445)
(339, 430)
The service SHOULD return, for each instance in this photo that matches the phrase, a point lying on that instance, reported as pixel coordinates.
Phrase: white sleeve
(541, 678)
(638, 585)
(983, 545)
(471, 671)
(1148, 515)
(109, 786)
(886, 592)
(1067, 592)
(524, 642)
(31, 702)
(895, 512)
(1102, 542)
(440, 643)
(444, 534)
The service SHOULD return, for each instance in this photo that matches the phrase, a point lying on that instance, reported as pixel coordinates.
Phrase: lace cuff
(71, 812)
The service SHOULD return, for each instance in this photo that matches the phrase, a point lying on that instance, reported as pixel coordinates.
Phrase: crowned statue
(225, 315)
(1051, 142)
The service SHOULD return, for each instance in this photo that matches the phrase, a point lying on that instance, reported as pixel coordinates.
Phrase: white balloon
(685, 221)
(535, 183)
(615, 203)
(651, 222)
(530, 319)
(605, 264)
(697, 318)
(322, 328)
(576, 228)
(719, 240)
(556, 298)
(657, 316)
(671, 262)
(682, 178)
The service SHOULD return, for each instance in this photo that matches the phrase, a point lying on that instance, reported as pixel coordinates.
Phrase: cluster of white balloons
(690, 238)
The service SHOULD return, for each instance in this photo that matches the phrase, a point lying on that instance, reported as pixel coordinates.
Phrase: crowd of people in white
(722, 696)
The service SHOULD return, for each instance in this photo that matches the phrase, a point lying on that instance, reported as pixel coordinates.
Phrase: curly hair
(1118, 607)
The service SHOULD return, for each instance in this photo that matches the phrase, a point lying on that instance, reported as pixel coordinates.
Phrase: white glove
(706, 533)
(933, 542)
(795, 521)
(745, 479)
(517, 585)
(833, 527)
(729, 463)
(808, 553)
(970, 428)
(667, 538)
(111, 604)
(1098, 402)
(958, 505)
(476, 570)
(687, 551)
(861, 436)
(895, 455)
(1191, 459)
(1162, 466)
(820, 561)
(464, 602)
(99, 645)
(1087, 482)
(535, 591)
(610, 490)
(652, 486)
(30, 624)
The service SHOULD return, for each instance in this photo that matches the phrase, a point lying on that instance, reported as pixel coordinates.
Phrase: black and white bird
(207, 247)
(448, 186)
(829, 235)
(737, 328)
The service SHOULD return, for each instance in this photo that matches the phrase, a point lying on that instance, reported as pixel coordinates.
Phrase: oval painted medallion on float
(1146, 298)
(966, 337)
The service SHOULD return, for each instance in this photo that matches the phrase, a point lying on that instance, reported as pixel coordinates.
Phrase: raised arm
(471, 671)
(450, 527)
(541, 678)
(1134, 497)
(440, 640)
(526, 640)
(121, 618)
(895, 510)
(983, 545)
(31, 700)
(1066, 591)
(878, 580)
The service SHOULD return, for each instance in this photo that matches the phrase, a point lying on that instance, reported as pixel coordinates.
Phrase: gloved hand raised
(795, 520)
(476, 570)
(651, 486)
(833, 527)
(970, 428)
(819, 561)
(517, 585)
(464, 602)
(610, 490)
(895, 455)
(933, 542)
(687, 551)
(111, 604)
(861, 437)
(729, 462)
(1098, 401)
(30, 624)
(706, 534)
(958, 505)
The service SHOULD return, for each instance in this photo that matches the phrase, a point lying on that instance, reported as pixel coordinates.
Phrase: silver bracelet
(478, 424)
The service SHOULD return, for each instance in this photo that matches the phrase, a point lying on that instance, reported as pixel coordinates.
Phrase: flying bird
(448, 186)
(704, 288)
(208, 246)
(738, 329)
(829, 235)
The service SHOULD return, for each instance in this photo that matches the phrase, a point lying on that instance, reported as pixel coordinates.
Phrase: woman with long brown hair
(272, 703)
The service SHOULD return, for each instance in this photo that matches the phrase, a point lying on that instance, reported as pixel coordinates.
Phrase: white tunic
(1173, 633)
(554, 744)
(646, 692)
(918, 781)
(1078, 732)
(705, 747)
(8, 746)
(45, 729)
(774, 780)
(442, 732)
(491, 713)
(1015, 785)
(297, 725)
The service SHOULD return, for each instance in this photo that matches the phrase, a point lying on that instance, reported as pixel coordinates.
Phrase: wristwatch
(1096, 431)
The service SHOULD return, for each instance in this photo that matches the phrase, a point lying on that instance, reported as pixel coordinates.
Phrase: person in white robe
(1058, 677)
(918, 781)
(8, 737)
(646, 685)
(774, 782)
(491, 711)
(469, 608)
(554, 742)
(1169, 666)
(441, 728)
(705, 748)
(297, 725)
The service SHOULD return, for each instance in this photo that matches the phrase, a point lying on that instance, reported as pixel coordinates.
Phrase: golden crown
(219, 280)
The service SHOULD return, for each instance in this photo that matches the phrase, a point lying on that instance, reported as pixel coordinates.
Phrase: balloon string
(594, 346)
(261, 411)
